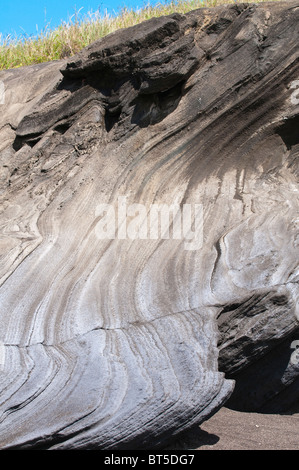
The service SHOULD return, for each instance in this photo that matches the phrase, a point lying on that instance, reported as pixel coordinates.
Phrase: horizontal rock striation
(118, 331)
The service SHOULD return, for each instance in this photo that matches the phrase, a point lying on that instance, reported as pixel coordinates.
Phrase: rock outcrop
(119, 331)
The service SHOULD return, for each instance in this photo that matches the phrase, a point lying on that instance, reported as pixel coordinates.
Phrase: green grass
(72, 36)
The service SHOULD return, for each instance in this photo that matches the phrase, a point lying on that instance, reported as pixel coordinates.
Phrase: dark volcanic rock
(116, 334)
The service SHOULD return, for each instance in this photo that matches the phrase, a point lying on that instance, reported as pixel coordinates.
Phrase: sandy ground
(234, 430)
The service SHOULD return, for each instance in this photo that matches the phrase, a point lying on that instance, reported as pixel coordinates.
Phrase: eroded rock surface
(124, 342)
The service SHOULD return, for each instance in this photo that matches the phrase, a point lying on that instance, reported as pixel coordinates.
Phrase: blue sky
(18, 17)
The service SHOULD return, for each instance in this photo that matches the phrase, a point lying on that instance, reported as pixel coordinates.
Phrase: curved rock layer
(110, 334)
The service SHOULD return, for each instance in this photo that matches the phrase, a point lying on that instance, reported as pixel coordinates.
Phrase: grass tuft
(81, 30)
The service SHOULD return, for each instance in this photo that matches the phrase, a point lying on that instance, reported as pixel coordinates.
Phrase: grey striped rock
(124, 342)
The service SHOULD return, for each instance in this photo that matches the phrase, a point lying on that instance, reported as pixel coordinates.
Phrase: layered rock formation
(114, 333)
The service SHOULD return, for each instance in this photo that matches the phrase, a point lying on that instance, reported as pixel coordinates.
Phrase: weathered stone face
(113, 341)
